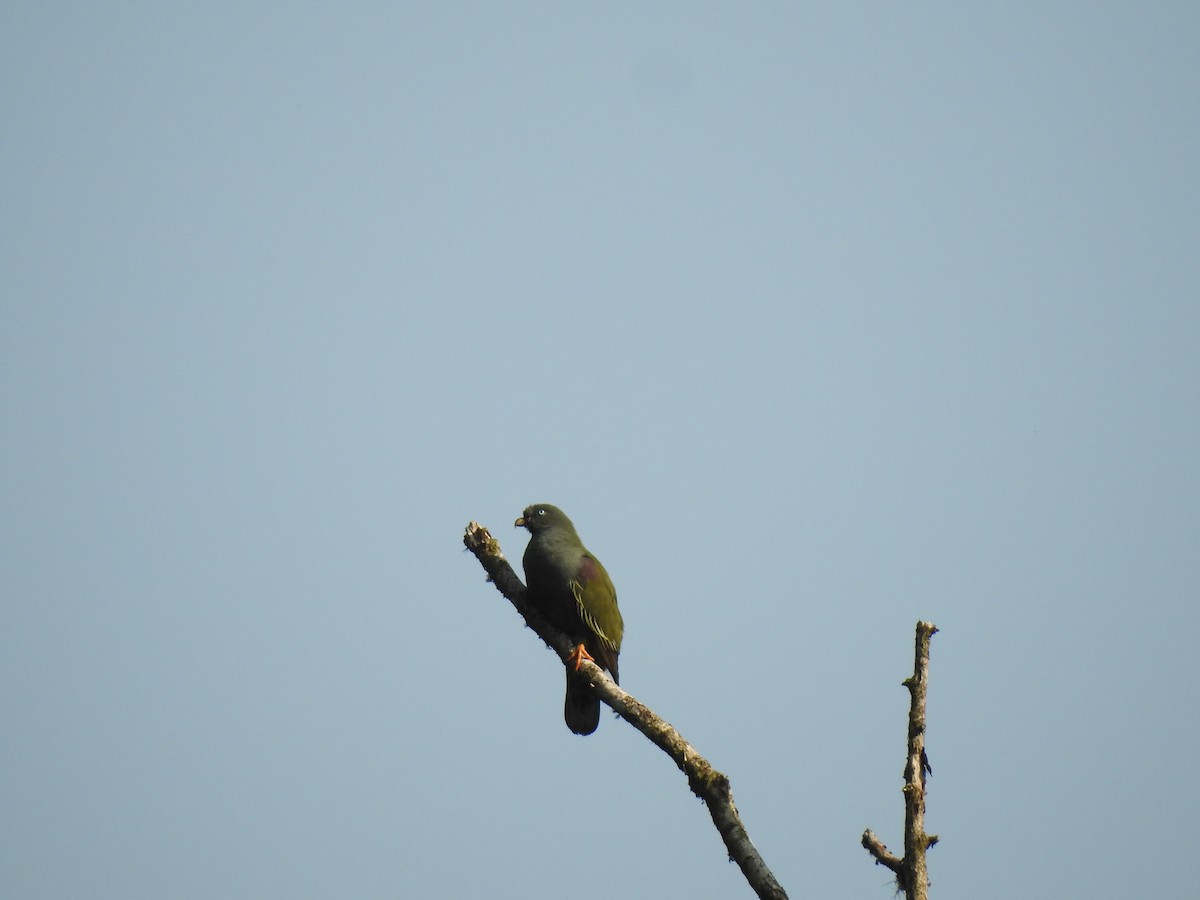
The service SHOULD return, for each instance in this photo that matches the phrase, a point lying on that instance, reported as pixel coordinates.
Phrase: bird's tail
(582, 707)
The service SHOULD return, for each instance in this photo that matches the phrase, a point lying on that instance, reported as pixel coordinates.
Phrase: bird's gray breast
(550, 566)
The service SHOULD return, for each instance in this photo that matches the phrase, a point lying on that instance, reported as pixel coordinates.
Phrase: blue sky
(816, 320)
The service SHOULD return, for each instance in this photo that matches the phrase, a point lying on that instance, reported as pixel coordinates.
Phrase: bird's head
(541, 517)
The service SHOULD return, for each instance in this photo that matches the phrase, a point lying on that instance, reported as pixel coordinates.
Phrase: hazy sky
(817, 320)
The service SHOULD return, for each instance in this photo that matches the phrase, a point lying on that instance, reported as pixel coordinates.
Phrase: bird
(570, 587)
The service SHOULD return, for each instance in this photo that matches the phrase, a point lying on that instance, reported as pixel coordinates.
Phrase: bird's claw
(578, 655)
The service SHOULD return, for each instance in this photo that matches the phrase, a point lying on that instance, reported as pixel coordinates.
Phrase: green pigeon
(571, 589)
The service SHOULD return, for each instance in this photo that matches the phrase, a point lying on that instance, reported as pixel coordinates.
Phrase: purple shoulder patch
(588, 569)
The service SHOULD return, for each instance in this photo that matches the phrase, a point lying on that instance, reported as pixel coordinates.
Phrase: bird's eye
(541, 512)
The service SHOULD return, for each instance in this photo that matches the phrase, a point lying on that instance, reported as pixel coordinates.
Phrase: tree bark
(912, 874)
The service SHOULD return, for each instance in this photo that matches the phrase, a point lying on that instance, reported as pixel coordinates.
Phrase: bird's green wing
(596, 603)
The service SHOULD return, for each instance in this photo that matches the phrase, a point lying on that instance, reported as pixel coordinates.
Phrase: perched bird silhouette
(571, 589)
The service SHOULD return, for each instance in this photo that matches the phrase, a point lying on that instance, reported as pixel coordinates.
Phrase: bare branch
(912, 874)
(882, 855)
(706, 782)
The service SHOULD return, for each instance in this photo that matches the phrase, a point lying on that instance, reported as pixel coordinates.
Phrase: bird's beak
(519, 523)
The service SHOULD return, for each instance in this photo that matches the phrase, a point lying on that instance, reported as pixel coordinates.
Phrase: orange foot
(578, 655)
